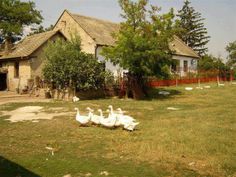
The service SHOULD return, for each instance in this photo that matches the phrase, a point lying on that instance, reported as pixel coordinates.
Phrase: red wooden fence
(158, 83)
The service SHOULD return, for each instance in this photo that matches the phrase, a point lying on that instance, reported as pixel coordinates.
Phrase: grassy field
(197, 140)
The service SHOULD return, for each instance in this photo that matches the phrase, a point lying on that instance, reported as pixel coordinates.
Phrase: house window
(185, 66)
(175, 66)
(194, 64)
(16, 69)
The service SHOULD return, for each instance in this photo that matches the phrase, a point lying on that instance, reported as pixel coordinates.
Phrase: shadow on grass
(154, 93)
(10, 169)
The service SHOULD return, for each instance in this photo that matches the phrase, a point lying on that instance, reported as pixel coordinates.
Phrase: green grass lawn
(197, 140)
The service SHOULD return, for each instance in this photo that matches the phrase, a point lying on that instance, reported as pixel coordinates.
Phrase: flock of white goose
(114, 119)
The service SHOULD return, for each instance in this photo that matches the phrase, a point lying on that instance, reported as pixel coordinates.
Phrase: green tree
(210, 63)
(231, 49)
(192, 32)
(14, 15)
(213, 66)
(66, 65)
(40, 29)
(142, 43)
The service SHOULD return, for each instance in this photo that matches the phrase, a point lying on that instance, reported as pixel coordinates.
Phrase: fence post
(176, 80)
(231, 77)
(218, 80)
(199, 80)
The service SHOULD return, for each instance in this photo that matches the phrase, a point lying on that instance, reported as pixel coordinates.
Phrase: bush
(67, 66)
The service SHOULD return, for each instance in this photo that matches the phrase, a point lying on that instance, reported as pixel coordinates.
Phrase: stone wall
(24, 75)
(69, 26)
(36, 62)
(28, 69)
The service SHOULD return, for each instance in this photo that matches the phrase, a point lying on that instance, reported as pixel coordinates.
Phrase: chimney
(8, 45)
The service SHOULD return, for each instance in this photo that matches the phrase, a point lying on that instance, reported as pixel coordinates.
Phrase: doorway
(3, 81)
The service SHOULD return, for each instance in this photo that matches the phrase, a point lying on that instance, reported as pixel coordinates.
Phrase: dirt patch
(12, 97)
(30, 113)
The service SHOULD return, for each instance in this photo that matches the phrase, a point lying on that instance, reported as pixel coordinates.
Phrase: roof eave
(196, 57)
(14, 58)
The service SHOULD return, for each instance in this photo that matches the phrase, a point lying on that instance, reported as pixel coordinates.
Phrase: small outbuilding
(24, 61)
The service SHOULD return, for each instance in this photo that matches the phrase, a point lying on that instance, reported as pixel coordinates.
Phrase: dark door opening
(3, 81)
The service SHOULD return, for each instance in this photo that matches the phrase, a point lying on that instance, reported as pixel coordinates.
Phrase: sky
(220, 15)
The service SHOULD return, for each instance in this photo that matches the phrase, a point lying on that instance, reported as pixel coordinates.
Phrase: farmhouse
(96, 33)
(24, 61)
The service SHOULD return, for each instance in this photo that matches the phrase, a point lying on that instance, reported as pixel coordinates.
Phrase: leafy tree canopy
(66, 65)
(192, 32)
(231, 49)
(211, 63)
(40, 29)
(142, 44)
(14, 15)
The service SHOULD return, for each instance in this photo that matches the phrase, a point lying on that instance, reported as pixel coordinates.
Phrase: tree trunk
(136, 85)
(8, 45)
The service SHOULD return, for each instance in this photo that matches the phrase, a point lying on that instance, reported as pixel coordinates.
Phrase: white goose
(107, 122)
(130, 126)
(75, 99)
(124, 118)
(90, 114)
(112, 114)
(128, 122)
(111, 109)
(83, 120)
(95, 119)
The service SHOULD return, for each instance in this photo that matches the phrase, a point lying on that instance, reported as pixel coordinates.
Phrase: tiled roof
(180, 48)
(29, 44)
(101, 30)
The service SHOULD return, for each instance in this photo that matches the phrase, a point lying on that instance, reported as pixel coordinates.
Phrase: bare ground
(27, 113)
(30, 113)
(12, 97)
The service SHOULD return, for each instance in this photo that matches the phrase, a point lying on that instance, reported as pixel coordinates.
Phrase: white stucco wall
(117, 70)
(192, 63)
